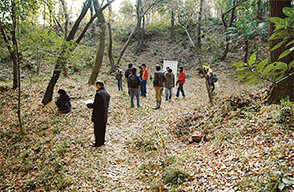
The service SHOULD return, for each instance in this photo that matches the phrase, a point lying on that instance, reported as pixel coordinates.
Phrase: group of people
(137, 82)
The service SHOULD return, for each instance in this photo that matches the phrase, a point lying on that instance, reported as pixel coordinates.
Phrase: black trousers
(99, 131)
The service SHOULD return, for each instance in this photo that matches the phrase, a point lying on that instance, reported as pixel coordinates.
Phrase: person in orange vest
(144, 79)
(181, 80)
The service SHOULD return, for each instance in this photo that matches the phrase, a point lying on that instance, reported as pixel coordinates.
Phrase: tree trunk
(139, 33)
(131, 35)
(199, 25)
(13, 58)
(100, 53)
(110, 56)
(282, 89)
(259, 10)
(16, 53)
(61, 60)
(285, 86)
(66, 18)
(245, 48)
(276, 10)
(232, 10)
(172, 23)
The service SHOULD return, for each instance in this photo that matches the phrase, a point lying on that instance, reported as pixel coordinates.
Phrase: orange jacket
(145, 74)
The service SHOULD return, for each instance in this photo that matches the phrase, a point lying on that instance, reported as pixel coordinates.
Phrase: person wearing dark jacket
(158, 83)
(63, 102)
(128, 72)
(119, 76)
(100, 113)
(169, 84)
(134, 82)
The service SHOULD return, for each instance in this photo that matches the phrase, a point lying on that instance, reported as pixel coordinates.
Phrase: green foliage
(175, 176)
(284, 31)
(284, 115)
(253, 71)
(38, 46)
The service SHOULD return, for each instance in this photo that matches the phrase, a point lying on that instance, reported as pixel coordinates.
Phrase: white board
(172, 65)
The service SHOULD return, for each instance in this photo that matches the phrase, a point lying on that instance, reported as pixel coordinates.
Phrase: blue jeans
(134, 92)
(119, 84)
(144, 90)
(181, 89)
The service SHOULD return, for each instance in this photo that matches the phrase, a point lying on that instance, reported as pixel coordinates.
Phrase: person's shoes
(96, 145)
(132, 106)
(138, 106)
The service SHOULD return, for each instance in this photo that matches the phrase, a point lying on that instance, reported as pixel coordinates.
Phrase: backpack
(118, 75)
(215, 78)
(133, 81)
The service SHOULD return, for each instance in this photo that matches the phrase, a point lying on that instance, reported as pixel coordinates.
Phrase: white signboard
(172, 65)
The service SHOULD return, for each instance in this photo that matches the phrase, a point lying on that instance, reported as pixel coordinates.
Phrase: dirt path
(56, 147)
(115, 167)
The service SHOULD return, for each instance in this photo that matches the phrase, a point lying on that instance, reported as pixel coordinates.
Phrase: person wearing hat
(100, 113)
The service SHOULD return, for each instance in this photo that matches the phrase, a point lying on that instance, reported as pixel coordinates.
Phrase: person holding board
(100, 113)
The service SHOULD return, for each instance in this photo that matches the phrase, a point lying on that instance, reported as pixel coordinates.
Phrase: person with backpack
(134, 82)
(158, 83)
(211, 79)
(181, 80)
(144, 79)
(128, 73)
(63, 102)
(169, 84)
(118, 76)
(100, 113)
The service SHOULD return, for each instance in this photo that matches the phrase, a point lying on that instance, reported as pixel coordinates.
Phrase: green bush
(284, 115)
(175, 176)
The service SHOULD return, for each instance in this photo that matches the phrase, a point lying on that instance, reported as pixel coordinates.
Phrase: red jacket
(182, 78)
(145, 74)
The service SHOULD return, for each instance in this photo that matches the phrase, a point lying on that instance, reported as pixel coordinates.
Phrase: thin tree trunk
(131, 35)
(13, 57)
(62, 59)
(199, 25)
(246, 49)
(172, 23)
(110, 56)
(66, 18)
(232, 10)
(100, 53)
(15, 48)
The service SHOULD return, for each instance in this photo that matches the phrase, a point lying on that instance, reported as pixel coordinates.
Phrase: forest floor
(247, 150)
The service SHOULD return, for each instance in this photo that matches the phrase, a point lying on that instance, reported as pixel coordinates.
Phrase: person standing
(181, 80)
(144, 79)
(141, 75)
(169, 84)
(118, 76)
(158, 83)
(211, 79)
(128, 73)
(100, 113)
(134, 82)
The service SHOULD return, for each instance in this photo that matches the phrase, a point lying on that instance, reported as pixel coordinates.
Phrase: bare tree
(69, 46)
(229, 23)
(100, 53)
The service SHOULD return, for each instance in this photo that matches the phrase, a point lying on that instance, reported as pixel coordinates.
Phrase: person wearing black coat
(100, 113)
(63, 102)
